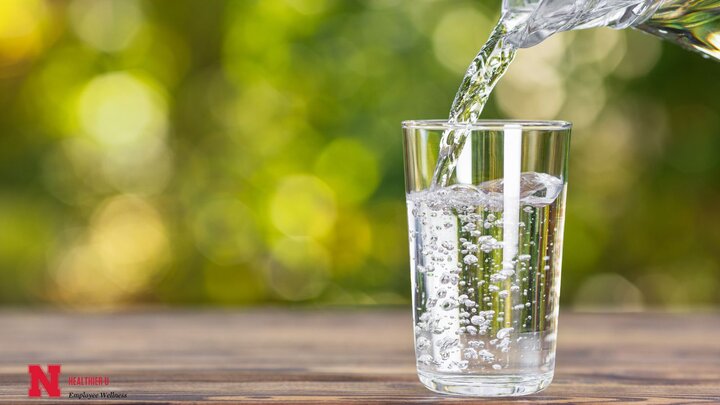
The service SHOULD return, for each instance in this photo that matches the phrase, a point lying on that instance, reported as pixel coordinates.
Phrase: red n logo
(37, 377)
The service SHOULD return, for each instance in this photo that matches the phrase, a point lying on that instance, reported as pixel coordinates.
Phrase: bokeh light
(533, 86)
(23, 32)
(108, 25)
(460, 33)
(350, 169)
(118, 109)
(114, 234)
(303, 206)
(106, 264)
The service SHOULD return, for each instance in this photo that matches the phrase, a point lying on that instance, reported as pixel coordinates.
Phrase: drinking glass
(485, 252)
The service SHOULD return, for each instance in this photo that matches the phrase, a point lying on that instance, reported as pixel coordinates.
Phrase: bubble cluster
(475, 308)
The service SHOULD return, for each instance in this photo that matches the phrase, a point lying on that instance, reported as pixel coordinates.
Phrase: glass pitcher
(694, 24)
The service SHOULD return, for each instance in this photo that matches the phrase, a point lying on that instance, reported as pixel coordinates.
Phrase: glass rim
(490, 125)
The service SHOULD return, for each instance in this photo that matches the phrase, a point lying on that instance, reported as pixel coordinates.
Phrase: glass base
(487, 385)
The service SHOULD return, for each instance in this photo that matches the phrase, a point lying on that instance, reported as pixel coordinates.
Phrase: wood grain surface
(342, 356)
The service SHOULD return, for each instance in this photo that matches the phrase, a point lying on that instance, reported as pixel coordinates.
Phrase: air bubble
(426, 359)
(422, 344)
(504, 332)
(470, 354)
(486, 355)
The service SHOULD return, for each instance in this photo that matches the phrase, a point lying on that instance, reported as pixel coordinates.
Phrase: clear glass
(485, 255)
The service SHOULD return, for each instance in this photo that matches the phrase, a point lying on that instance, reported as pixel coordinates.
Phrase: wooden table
(341, 356)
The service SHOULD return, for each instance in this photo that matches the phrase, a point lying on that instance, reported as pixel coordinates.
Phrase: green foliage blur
(249, 151)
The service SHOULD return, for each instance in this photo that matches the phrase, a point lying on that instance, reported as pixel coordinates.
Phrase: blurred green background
(249, 152)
